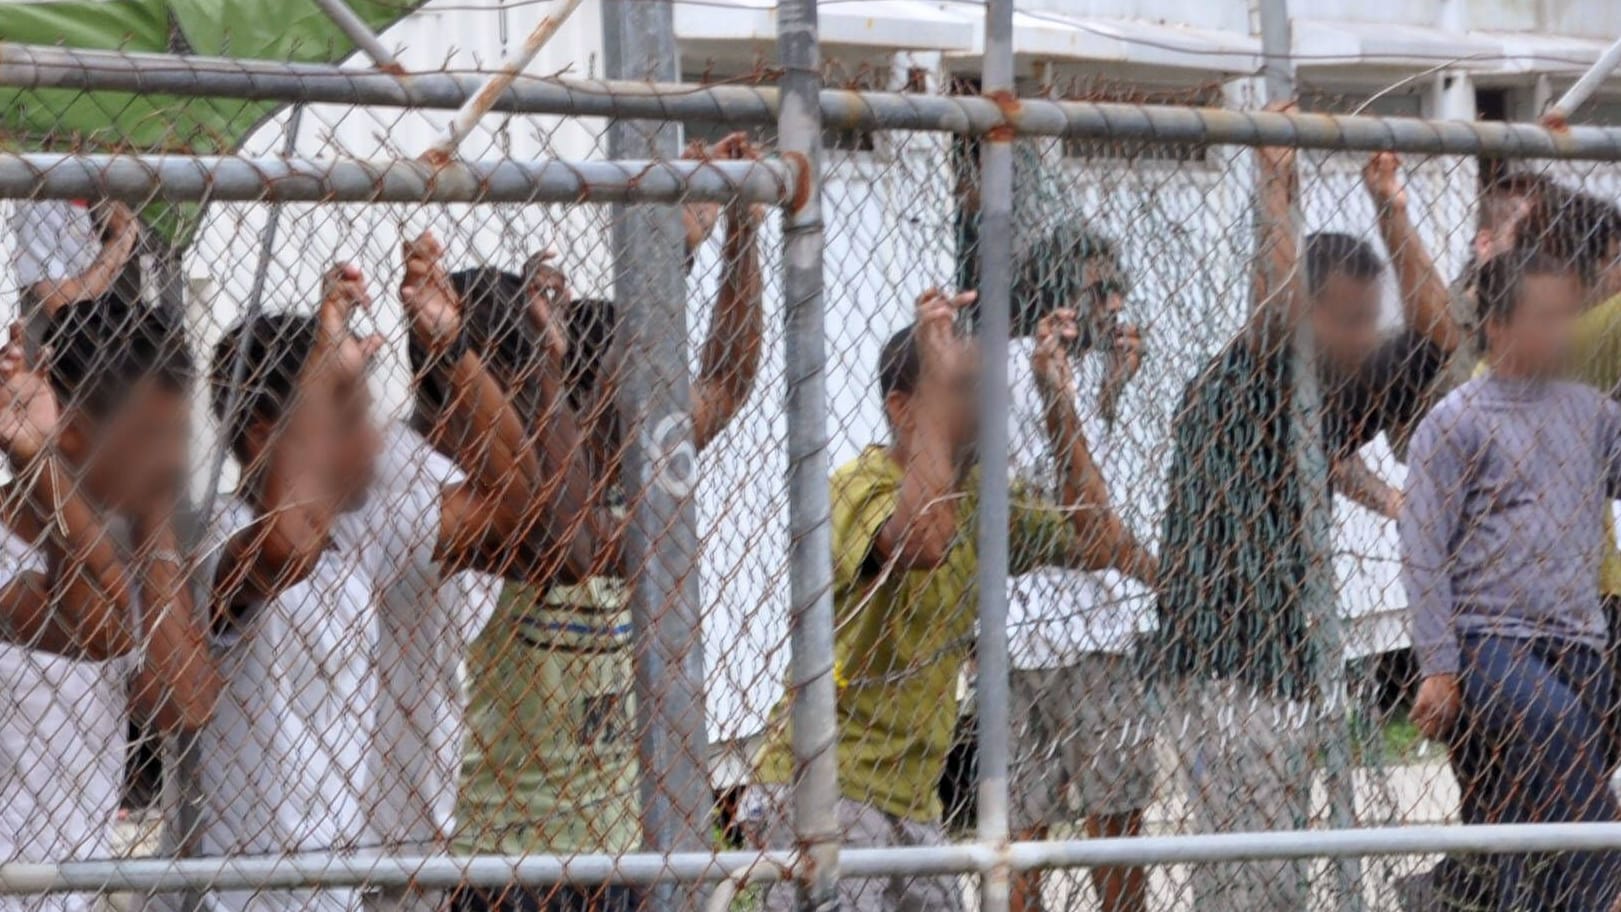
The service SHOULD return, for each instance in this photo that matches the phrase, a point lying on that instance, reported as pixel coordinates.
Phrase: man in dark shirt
(1234, 609)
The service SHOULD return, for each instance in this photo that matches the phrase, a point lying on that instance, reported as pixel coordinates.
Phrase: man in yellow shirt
(905, 593)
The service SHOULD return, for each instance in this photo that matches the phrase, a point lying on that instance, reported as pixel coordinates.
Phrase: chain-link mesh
(389, 518)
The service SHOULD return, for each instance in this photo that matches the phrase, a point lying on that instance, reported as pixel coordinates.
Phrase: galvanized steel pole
(357, 31)
(35, 66)
(479, 104)
(1330, 723)
(814, 719)
(995, 290)
(183, 178)
(1584, 88)
(318, 870)
(661, 465)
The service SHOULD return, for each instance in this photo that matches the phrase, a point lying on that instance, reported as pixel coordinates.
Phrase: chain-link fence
(450, 497)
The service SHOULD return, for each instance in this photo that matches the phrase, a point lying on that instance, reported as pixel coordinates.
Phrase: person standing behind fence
(1235, 649)
(1501, 542)
(313, 551)
(1517, 212)
(904, 566)
(93, 632)
(551, 760)
(1081, 717)
(426, 630)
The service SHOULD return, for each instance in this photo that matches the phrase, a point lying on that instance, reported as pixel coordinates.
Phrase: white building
(1181, 224)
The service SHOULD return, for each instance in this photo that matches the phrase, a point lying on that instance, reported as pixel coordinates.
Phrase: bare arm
(510, 498)
(1426, 302)
(82, 605)
(731, 353)
(281, 547)
(294, 514)
(1353, 478)
(123, 231)
(1102, 539)
(919, 533)
(1280, 297)
(177, 681)
(90, 586)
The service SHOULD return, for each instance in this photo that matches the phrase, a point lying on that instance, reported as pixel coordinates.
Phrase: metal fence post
(356, 30)
(661, 465)
(182, 787)
(1330, 720)
(995, 287)
(810, 570)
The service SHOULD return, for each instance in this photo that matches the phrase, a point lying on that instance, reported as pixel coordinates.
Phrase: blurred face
(1345, 321)
(1101, 301)
(134, 460)
(356, 444)
(958, 410)
(1536, 338)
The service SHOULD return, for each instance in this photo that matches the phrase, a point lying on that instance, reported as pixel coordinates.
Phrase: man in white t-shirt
(318, 554)
(1081, 720)
(65, 252)
(425, 637)
(92, 633)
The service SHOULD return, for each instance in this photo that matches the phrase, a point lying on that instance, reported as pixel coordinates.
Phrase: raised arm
(507, 497)
(81, 604)
(1426, 302)
(1280, 295)
(123, 230)
(919, 533)
(587, 535)
(698, 219)
(1102, 539)
(177, 681)
(293, 509)
(731, 353)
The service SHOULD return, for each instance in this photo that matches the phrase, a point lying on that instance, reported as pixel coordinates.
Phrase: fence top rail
(182, 178)
(273, 872)
(33, 66)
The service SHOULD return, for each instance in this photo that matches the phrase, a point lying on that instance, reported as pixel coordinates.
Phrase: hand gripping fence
(1077, 494)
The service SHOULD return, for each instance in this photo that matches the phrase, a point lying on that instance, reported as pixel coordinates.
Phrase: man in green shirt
(904, 587)
(1237, 654)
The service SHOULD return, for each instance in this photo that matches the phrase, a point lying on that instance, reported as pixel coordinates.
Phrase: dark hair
(101, 348)
(1498, 281)
(1497, 202)
(496, 326)
(1577, 228)
(592, 325)
(1052, 273)
(1329, 252)
(899, 364)
(272, 350)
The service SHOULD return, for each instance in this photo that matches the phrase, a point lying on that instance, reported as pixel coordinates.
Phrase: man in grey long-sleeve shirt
(1502, 540)
(1503, 528)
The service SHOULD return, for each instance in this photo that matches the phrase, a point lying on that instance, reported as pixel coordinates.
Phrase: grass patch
(1389, 741)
